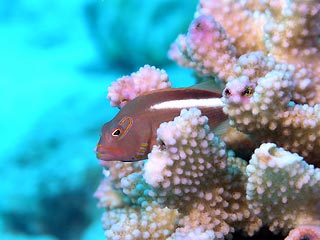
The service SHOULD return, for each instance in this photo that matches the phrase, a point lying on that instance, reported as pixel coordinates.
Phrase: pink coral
(128, 87)
(271, 94)
(242, 20)
(305, 232)
(206, 43)
(286, 30)
(259, 103)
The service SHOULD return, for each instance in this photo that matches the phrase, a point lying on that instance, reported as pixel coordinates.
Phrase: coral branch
(288, 31)
(208, 48)
(150, 222)
(242, 20)
(283, 190)
(128, 87)
(259, 104)
(308, 232)
(192, 172)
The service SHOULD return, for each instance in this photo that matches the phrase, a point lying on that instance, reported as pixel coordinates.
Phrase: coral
(131, 212)
(148, 222)
(196, 233)
(107, 195)
(288, 30)
(283, 189)
(266, 55)
(308, 232)
(269, 64)
(188, 155)
(244, 23)
(192, 171)
(128, 87)
(206, 48)
(206, 190)
(214, 41)
(260, 104)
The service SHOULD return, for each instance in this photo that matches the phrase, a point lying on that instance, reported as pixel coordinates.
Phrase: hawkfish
(131, 134)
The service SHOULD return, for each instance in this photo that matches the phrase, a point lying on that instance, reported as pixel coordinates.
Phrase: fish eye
(116, 132)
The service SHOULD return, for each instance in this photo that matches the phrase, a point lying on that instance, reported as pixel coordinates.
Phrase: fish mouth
(105, 154)
(106, 157)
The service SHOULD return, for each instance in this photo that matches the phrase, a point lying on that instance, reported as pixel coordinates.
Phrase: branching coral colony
(266, 55)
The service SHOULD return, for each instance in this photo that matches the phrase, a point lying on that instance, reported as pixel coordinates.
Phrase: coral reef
(172, 179)
(254, 80)
(262, 106)
(214, 42)
(265, 54)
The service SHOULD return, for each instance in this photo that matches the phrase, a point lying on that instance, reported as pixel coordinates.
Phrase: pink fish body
(130, 135)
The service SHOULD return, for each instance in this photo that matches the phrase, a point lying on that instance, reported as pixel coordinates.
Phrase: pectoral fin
(222, 129)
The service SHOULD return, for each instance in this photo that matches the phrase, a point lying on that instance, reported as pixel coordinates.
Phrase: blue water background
(57, 60)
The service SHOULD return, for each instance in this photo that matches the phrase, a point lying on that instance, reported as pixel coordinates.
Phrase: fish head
(123, 140)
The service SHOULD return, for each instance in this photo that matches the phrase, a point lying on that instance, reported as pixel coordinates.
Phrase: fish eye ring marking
(124, 126)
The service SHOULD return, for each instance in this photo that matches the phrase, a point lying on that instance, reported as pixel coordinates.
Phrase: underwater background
(57, 59)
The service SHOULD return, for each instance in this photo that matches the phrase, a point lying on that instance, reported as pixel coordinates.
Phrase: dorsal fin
(209, 85)
(157, 90)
